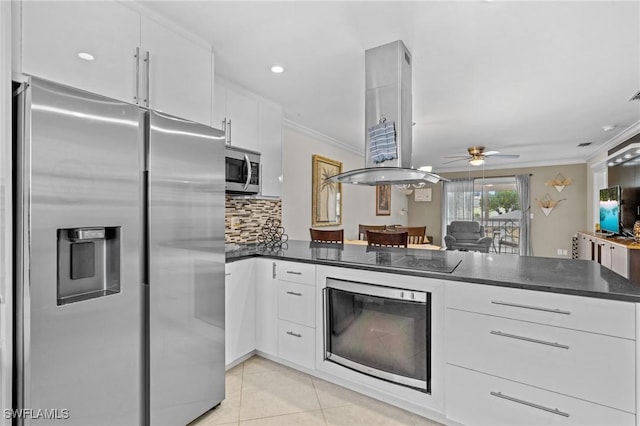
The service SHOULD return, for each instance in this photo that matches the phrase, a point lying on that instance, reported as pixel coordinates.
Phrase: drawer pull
(273, 270)
(530, 404)
(293, 293)
(529, 339)
(291, 333)
(294, 273)
(535, 308)
(227, 274)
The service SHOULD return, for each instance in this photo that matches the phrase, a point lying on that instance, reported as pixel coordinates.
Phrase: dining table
(412, 246)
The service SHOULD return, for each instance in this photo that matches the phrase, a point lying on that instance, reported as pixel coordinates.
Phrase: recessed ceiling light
(618, 160)
(608, 127)
(611, 163)
(86, 56)
(277, 69)
(628, 156)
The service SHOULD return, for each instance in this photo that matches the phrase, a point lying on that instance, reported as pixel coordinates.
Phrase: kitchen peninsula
(510, 339)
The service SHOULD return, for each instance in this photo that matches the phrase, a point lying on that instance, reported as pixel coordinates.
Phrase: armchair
(467, 236)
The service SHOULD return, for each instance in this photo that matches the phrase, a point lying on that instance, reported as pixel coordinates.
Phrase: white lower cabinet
(296, 312)
(581, 364)
(267, 307)
(240, 309)
(475, 398)
(296, 343)
(297, 303)
(518, 357)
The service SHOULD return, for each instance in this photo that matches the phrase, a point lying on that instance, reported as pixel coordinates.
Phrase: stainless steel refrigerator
(119, 261)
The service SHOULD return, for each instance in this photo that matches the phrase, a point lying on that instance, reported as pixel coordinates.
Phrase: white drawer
(297, 303)
(296, 343)
(303, 273)
(590, 366)
(611, 317)
(478, 399)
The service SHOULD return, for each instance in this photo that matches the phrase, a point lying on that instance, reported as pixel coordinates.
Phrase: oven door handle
(248, 163)
(378, 291)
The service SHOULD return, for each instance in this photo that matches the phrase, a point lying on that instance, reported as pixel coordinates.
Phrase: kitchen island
(567, 276)
(511, 339)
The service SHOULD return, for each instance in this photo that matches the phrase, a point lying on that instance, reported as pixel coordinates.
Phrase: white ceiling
(531, 78)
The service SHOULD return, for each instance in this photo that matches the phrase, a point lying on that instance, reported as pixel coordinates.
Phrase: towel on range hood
(388, 97)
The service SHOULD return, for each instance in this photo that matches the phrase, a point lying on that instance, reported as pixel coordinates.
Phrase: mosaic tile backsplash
(244, 218)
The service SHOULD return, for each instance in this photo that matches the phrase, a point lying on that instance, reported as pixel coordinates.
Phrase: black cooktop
(423, 260)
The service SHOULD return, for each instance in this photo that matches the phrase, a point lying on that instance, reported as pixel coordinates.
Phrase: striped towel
(382, 142)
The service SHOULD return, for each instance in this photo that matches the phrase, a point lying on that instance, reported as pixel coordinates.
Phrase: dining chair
(387, 239)
(362, 230)
(415, 234)
(327, 236)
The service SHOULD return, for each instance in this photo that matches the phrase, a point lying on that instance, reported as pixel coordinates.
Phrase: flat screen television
(610, 209)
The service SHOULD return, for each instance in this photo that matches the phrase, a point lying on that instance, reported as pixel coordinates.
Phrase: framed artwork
(422, 194)
(326, 197)
(383, 200)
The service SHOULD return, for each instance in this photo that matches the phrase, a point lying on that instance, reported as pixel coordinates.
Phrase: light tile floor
(261, 392)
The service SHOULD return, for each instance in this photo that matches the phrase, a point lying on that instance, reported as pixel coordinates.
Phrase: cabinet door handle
(274, 270)
(227, 274)
(146, 65)
(529, 339)
(535, 308)
(229, 130)
(294, 273)
(136, 56)
(291, 333)
(293, 293)
(529, 404)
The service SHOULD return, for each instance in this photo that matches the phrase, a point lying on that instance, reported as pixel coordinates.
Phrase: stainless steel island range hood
(388, 100)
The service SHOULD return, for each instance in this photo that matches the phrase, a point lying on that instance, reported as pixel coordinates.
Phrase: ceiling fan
(478, 155)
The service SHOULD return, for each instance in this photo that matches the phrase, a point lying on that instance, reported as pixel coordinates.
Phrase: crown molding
(624, 135)
(320, 136)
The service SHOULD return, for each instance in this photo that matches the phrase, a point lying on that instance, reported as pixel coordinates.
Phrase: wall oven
(242, 171)
(380, 331)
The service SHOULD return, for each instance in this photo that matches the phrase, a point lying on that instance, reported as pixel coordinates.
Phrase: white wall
(299, 145)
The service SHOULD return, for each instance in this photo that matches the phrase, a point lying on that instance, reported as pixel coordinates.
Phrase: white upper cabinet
(54, 33)
(171, 73)
(239, 112)
(270, 145)
(179, 73)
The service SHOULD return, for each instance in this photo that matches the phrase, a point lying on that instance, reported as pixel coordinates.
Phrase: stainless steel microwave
(242, 171)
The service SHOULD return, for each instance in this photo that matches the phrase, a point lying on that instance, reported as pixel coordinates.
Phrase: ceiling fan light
(476, 161)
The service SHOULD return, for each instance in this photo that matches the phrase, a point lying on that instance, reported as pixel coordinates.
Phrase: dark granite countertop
(566, 276)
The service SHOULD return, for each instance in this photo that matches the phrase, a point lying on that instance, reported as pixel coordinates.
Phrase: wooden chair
(328, 236)
(362, 230)
(387, 239)
(416, 234)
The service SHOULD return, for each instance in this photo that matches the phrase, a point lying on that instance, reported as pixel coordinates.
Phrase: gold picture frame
(383, 200)
(326, 198)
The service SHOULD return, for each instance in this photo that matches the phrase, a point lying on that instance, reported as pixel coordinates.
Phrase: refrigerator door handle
(137, 89)
(146, 73)
(248, 163)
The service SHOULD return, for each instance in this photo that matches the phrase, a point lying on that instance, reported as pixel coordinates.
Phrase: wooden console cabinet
(621, 255)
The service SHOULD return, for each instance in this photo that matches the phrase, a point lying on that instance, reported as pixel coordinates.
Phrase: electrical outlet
(559, 252)
(565, 252)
